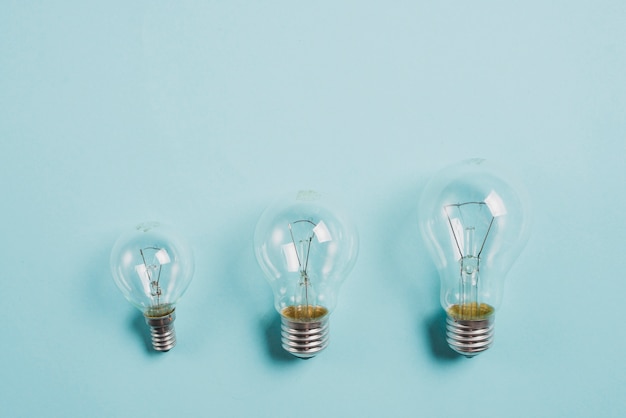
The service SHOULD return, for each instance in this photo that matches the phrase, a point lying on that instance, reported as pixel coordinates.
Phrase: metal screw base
(304, 339)
(470, 337)
(162, 331)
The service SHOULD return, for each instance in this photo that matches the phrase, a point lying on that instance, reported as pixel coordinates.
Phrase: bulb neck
(470, 337)
(162, 331)
(304, 338)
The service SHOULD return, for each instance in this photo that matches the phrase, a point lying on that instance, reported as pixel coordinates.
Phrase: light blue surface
(200, 113)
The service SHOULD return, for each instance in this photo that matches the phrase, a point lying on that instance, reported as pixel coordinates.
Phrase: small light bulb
(152, 266)
(476, 224)
(306, 250)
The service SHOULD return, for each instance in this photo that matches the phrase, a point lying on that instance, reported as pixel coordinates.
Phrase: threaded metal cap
(470, 337)
(304, 339)
(162, 331)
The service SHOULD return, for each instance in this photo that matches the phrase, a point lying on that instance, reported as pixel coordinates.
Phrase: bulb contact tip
(162, 331)
(470, 337)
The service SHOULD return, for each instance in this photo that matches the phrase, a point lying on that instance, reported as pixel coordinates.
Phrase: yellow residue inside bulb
(471, 311)
(304, 313)
(159, 310)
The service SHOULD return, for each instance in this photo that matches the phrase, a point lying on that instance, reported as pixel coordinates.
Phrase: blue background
(198, 113)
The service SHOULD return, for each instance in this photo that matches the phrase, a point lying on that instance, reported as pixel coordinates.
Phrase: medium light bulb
(153, 266)
(475, 223)
(306, 250)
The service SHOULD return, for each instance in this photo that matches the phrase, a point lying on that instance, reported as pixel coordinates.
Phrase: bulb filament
(302, 250)
(464, 231)
(152, 270)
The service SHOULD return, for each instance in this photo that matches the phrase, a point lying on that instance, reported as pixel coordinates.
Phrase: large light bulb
(153, 266)
(476, 224)
(306, 250)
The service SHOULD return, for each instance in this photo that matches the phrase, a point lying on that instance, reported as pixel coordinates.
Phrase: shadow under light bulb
(306, 251)
(475, 224)
(153, 266)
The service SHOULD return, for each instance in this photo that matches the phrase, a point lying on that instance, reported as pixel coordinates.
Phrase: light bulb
(475, 222)
(306, 250)
(153, 266)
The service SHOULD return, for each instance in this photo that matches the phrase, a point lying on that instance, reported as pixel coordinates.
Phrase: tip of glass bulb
(304, 339)
(470, 337)
(162, 331)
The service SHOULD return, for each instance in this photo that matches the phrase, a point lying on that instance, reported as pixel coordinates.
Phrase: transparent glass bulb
(474, 219)
(153, 266)
(306, 250)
